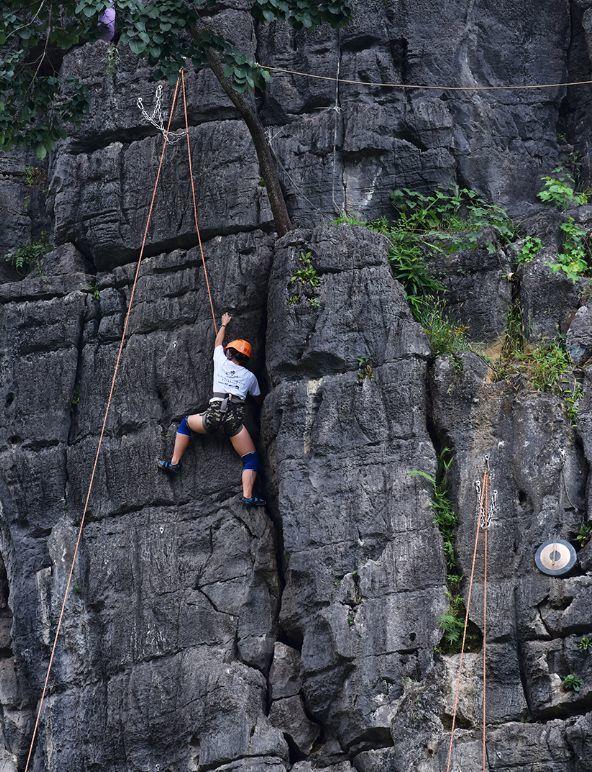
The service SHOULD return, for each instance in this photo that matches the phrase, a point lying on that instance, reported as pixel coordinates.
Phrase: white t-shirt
(230, 378)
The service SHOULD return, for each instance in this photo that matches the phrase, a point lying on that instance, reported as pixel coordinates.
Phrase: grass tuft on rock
(425, 226)
(544, 366)
(452, 621)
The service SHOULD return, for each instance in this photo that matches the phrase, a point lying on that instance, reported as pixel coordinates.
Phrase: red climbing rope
(101, 437)
(484, 645)
(194, 200)
(483, 521)
(462, 648)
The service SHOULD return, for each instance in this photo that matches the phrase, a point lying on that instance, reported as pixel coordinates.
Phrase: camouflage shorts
(229, 423)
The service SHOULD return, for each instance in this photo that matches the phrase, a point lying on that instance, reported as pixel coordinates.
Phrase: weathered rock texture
(201, 636)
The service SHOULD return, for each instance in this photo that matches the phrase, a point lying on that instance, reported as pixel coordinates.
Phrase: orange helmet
(242, 346)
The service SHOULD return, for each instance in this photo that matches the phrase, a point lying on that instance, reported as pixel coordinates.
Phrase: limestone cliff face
(201, 636)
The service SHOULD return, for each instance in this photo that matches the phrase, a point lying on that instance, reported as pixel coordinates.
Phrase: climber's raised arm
(222, 331)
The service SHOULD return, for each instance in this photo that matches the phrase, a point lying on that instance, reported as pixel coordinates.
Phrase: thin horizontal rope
(427, 86)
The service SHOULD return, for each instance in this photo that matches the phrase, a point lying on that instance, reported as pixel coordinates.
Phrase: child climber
(232, 385)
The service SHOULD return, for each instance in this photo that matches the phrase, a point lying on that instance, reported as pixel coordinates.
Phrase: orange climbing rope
(194, 200)
(180, 79)
(485, 522)
(482, 524)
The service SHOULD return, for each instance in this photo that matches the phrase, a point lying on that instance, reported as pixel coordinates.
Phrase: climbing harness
(226, 397)
(486, 508)
(223, 400)
(166, 142)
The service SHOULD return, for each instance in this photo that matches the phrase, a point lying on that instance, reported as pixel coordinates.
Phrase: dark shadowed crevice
(75, 396)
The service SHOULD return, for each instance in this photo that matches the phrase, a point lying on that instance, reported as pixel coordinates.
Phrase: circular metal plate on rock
(555, 557)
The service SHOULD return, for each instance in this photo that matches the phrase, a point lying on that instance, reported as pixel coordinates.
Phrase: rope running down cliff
(482, 524)
(180, 80)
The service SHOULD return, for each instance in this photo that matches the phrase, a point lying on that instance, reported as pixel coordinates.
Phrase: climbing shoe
(169, 468)
(254, 501)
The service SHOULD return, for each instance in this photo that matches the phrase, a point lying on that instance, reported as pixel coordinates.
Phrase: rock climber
(233, 383)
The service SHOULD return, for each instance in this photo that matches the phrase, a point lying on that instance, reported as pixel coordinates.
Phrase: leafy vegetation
(407, 258)
(424, 227)
(544, 366)
(585, 643)
(35, 36)
(34, 176)
(559, 190)
(547, 364)
(513, 342)
(75, 397)
(446, 338)
(304, 282)
(27, 257)
(112, 61)
(95, 291)
(572, 683)
(449, 221)
(584, 534)
(452, 624)
(571, 400)
(575, 257)
(365, 369)
(444, 515)
(452, 621)
(529, 250)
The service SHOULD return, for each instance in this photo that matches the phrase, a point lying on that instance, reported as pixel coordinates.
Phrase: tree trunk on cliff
(267, 164)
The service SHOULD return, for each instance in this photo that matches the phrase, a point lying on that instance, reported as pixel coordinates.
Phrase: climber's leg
(245, 447)
(182, 439)
(243, 444)
(196, 423)
(182, 442)
(192, 423)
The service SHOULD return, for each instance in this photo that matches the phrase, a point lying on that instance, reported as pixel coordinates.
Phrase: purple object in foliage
(107, 24)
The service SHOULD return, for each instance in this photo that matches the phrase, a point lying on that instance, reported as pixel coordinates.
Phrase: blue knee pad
(251, 461)
(184, 427)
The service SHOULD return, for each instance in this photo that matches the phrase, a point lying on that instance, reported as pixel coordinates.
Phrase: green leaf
(424, 475)
(40, 152)
(137, 47)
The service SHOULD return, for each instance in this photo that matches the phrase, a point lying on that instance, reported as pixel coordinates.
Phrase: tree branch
(267, 163)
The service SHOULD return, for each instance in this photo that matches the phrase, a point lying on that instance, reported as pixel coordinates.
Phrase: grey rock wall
(200, 636)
